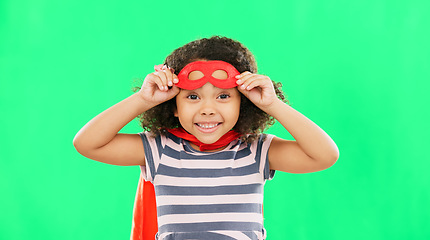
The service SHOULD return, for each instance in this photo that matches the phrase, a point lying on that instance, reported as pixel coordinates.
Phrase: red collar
(223, 141)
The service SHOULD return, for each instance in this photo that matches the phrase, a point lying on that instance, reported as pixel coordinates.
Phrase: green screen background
(359, 69)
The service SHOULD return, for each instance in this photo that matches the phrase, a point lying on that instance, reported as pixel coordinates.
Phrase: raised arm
(99, 138)
(313, 150)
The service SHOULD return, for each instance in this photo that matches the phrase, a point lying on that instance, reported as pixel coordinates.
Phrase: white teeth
(206, 126)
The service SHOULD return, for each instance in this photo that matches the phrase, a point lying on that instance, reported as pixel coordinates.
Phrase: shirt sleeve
(153, 147)
(263, 144)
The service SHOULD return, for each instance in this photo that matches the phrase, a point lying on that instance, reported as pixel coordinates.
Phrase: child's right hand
(159, 87)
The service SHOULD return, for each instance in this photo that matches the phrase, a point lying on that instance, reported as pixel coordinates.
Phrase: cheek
(183, 113)
(178, 104)
(235, 111)
(237, 114)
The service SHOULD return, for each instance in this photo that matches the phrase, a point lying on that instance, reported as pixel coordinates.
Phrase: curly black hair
(161, 117)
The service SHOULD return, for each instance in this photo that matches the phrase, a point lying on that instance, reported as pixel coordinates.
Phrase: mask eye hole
(195, 75)
(220, 74)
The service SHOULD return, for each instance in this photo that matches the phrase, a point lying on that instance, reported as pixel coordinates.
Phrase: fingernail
(175, 80)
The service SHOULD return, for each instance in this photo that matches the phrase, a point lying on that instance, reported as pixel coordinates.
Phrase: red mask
(207, 68)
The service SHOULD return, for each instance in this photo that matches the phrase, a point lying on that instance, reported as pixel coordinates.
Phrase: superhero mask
(207, 68)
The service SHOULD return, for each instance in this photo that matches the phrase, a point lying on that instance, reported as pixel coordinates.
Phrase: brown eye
(223, 96)
(192, 97)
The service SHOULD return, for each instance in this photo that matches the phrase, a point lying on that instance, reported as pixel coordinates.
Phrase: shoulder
(160, 142)
(263, 140)
(259, 144)
(257, 139)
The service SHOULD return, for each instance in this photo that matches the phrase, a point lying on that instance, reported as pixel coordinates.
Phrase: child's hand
(257, 88)
(159, 86)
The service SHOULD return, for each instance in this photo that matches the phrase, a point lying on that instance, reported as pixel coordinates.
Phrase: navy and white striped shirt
(207, 195)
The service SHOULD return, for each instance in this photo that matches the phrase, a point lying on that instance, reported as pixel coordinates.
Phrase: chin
(208, 140)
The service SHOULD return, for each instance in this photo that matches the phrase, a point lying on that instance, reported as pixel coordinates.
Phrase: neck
(195, 147)
(196, 144)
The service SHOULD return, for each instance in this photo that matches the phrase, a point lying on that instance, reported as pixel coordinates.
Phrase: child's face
(208, 112)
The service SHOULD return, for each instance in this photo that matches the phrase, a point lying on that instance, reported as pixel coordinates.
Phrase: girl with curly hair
(204, 112)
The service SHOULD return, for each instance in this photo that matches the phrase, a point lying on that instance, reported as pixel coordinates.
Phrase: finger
(173, 91)
(159, 81)
(243, 74)
(165, 67)
(245, 81)
(170, 77)
(158, 67)
(243, 91)
(172, 69)
(163, 78)
(257, 82)
(175, 78)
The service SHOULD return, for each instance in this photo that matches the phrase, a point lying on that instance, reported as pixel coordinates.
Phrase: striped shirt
(207, 195)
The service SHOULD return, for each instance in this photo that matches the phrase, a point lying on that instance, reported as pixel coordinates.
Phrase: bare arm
(99, 138)
(313, 149)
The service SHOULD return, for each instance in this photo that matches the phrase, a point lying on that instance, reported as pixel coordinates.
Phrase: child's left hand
(257, 88)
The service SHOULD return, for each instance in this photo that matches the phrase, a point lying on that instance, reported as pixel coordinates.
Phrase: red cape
(144, 225)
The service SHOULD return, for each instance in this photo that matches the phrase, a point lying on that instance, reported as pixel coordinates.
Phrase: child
(204, 113)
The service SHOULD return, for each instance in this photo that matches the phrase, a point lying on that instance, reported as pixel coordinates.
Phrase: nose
(207, 108)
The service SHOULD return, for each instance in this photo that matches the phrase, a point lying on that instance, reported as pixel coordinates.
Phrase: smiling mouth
(207, 125)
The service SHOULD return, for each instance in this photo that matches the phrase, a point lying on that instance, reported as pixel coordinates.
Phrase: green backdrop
(360, 69)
